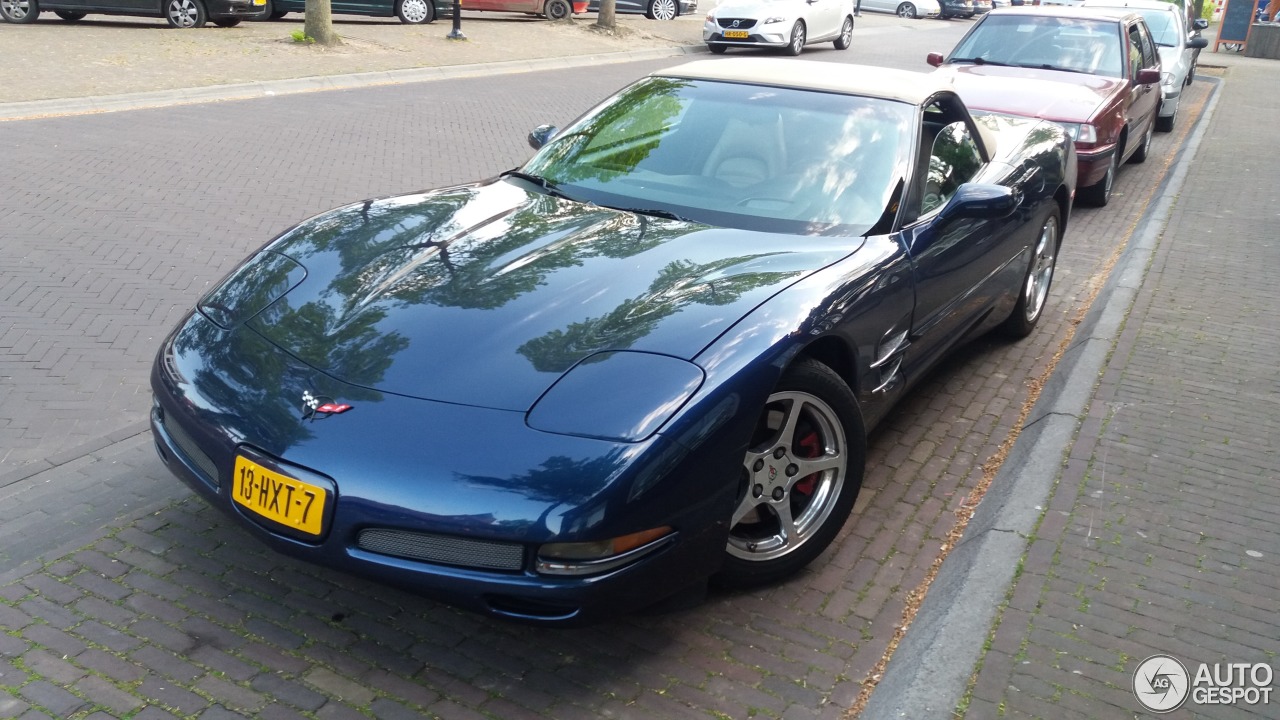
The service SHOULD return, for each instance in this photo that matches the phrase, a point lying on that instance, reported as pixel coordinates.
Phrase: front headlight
(772, 20)
(1081, 132)
(1166, 79)
(590, 558)
(623, 396)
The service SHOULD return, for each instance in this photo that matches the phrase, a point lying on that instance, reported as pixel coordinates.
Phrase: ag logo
(1161, 683)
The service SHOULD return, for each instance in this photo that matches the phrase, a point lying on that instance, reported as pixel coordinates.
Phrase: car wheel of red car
(1140, 155)
(800, 477)
(1099, 193)
(797, 39)
(415, 12)
(1035, 287)
(661, 10)
(907, 10)
(557, 9)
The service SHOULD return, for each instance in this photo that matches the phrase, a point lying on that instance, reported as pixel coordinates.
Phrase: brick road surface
(114, 225)
(1161, 536)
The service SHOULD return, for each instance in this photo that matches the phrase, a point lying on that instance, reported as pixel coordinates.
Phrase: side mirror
(1197, 43)
(1148, 76)
(1200, 24)
(541, 135)
(974, 200)
(934, 59)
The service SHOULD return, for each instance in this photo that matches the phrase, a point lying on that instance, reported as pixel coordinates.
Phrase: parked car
(1177, 45)
(652, 9)
(982, 7)
(415, 12)
(179, 13)
(649, 356)
(957, 9)
(905, 8)
(1094, 71)
(785, 24)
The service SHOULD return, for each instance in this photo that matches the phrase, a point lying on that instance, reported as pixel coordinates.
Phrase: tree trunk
(319, 23)
(606, 18)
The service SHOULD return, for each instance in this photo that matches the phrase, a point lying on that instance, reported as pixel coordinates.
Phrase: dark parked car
(652, 9)
(957, 9)
(1094, 71)
(649, 356)
(415, 12)
(179, 13)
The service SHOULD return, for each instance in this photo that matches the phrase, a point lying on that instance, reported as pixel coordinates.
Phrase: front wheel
(69, 15)
(661, 10)
(1035, 286)
(185, 13)
(907, 10)
(1099, 193)
(797, 39)
(415, 12)
(557, 9)
(1140, 155)
(800, 477)
(846, 35)
(20, 12)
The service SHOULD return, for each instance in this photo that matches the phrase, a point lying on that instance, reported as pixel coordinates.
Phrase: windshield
(1163, 26)
(1052, 43)
(734, 155)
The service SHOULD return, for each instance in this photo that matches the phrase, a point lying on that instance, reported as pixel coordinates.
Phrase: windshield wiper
(978, 61)
(656, 213)
(1047, 66)
(541, 182)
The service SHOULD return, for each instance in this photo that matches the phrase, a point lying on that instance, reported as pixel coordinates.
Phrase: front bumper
(242, 9)
(1092, 164)
(775, 35)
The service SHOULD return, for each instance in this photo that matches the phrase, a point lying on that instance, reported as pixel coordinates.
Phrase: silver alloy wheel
(183, 13)
(15, 10)
(662, 9)
(415, 11)
(846, 34)
(907, 10)
(1042, 264)
(797, 38)
(793, 478)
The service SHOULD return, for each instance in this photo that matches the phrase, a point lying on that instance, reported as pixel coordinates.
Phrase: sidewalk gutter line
(930, 669)
(35, 109)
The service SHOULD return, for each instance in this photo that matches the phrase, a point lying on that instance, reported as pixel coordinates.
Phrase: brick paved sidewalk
(1161, 536)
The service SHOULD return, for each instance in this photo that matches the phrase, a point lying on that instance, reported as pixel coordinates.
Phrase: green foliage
(300, 36)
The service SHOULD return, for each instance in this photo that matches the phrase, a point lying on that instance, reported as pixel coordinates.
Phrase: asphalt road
(112, 226)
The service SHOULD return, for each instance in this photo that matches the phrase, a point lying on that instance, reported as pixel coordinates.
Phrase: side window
(1135, 51)
(953, 161)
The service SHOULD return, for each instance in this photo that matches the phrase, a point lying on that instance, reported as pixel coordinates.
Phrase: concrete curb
(34, 109)
(930, 669)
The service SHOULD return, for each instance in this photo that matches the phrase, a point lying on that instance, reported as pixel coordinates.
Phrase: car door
(956, 259)
(1144, 100)
(820, 18)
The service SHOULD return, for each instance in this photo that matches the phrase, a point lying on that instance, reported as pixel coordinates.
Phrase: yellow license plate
(280, 498)
(736, 34)
(259, 2)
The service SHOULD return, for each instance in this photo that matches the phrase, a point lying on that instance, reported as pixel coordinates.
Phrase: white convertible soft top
(866, 80)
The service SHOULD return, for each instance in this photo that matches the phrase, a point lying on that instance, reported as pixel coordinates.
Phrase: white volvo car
(786, 24)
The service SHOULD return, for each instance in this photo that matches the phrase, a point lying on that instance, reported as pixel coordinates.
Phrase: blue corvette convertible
(647, 358)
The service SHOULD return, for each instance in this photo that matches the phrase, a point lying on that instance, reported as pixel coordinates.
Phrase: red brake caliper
(811, 447)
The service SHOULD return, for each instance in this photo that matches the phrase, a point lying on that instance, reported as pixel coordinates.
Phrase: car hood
(1048, 94)
(485, 294)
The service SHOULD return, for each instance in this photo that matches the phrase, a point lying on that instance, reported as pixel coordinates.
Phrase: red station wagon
(1095, 73)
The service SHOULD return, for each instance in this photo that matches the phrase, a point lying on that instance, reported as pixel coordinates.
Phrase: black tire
(1165, 124)
(1099, 193)
(796, 45)
(415, 12)
(1033, 294)
(907, 10)
(70, 16)
(277, 14)
(846, 34)
(185, 14)
(227, 22)
(826, 431)
(19, 12)
(662, 10)
(1140, 155)
(717, 48)
(557, 9)
(1191, 74)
